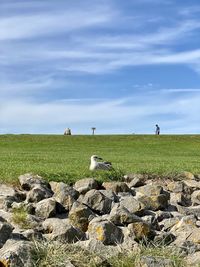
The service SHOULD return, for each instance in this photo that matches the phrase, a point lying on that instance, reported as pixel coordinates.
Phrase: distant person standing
(157, 129)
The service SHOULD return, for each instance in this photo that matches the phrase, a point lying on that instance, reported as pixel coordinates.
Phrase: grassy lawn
(66, 158)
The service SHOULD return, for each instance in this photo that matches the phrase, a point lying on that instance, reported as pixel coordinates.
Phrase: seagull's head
(95, 158)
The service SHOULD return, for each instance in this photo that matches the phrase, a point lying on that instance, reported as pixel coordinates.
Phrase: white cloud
(49, 23)
(131, 114)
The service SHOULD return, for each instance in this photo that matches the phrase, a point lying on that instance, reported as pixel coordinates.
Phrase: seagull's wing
(107, 162)
(104, 166)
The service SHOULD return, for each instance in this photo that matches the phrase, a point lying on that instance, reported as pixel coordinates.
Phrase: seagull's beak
(100, 158)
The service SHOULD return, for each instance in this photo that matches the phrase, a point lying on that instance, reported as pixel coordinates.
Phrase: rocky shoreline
(101, 217)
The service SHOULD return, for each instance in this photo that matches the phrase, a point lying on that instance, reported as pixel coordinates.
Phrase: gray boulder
(5, 232)
(96, 246)
(116, 187)
(150, 190)
(64, 194)
(38, 192)
(85, 185)
(97, 201)
(60, 229)
(80, 216)
(131, 204)
(195, 197)
(29, 181)
(46, 208)
(17, 253)
(154, 202)
(105, 231)
(119, 215)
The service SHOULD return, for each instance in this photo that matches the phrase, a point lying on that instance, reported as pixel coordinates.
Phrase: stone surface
(119, 215)
(185, 176)
(116, 187)
(64, 194)
(105, 231)
(150, 190)
(17, 253)
(60, 229)
(195, 197)
(175, 186)
(140, 230)
(135, 180)
(193, 260)
(38, 193)
(85, 185)
(132, 204)
(5, 232)
(154, 202)
(29, 181)
(46, 208)
(97, 201)
(96, 246)
(80, 216)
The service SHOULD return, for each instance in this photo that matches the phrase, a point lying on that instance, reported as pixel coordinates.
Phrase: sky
(119, 66)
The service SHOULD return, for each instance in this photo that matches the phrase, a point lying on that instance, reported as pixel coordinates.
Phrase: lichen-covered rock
(80, 216)
(119, 215)
(154, 202)
(175, 186)
(150, 190)
(139, 230)
(116, 187)
(62, 230)
(17, 253)
(186, 230)
(64, 194)
(105, 231)
(185, 176)
(85, 185)
(97, 201)
(46, 208)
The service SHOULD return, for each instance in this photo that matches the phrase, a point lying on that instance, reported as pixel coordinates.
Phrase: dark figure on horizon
(157, 129)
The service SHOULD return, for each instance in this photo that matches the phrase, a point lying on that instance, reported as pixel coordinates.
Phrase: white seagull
(95, 165)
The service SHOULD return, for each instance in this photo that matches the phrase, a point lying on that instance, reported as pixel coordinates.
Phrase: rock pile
(100, 216)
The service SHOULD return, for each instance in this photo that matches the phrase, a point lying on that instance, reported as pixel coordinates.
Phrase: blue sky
(121, 66)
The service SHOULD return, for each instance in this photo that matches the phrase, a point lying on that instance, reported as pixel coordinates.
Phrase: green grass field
(66, 158)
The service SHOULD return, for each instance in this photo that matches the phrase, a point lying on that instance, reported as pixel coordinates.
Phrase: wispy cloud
(50, 23)
(126, 113)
